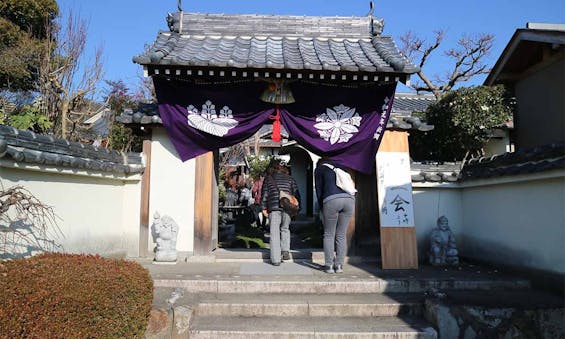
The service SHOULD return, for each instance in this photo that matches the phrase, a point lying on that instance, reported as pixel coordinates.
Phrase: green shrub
(463, 121)
(73, 296)
(258, 165)
(30, 118)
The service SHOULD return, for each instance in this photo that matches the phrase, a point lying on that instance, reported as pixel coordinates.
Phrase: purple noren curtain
(345, 124)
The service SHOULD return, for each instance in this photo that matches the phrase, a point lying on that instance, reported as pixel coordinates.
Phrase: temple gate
(329, 81)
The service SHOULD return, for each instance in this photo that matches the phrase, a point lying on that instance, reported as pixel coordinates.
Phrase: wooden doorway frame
(144, 204)
(205, 205)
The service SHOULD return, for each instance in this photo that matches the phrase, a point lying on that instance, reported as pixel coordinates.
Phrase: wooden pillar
(205, 203)
(144, 206)
(396, 205)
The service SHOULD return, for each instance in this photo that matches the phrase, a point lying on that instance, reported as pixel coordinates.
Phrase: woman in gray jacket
(278, 179)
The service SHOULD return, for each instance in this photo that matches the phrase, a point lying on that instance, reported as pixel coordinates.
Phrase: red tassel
(276, 136)
(276, 131)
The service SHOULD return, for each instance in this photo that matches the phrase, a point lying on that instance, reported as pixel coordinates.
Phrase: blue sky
(123, 27)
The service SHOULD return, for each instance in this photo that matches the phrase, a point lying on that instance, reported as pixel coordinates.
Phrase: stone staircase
(248, 298)
(272, 308)
(287, 315)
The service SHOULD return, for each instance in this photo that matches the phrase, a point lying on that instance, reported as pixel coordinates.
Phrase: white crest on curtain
(380, 130)
(208, 121)
(338, 124)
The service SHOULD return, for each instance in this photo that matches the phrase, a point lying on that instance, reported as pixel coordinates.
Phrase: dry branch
(467, 59)
(66, 81)
(27, 226)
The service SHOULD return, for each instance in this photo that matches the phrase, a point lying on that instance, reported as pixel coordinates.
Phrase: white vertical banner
(396, 206)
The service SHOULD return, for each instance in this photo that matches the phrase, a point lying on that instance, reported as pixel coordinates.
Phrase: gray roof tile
(273, 25)
(435, 172)
(537, 159)
(407, 103)
(277, 42)
(26, 146)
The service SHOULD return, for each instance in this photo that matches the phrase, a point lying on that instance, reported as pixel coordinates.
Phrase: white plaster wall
(172, 189)
(431, 202)
(97, 214)
(519, 223)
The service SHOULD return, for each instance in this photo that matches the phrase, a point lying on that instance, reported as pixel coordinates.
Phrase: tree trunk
(256, 143)
(64, 118)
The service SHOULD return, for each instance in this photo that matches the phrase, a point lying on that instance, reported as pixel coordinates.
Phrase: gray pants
(336, 216)
(280, 234)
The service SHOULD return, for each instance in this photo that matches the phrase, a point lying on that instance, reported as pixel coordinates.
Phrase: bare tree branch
(468, 59)
(26, 224)
(62, 85)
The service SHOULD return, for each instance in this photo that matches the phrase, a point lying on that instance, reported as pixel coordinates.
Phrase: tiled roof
(408, 103)
(28, 147)
(534, 160)
(145, 114)
(398, 122)
(274, 25)
(405, 104)
(538, 159)
(434, 172)
(338, 44)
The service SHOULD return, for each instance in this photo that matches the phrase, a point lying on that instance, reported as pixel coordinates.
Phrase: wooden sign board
(396, 205)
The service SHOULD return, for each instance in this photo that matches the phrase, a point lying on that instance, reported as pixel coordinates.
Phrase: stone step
(308, 278)
(336, 286)
(313, 305)
(374, 286)
(309, 327)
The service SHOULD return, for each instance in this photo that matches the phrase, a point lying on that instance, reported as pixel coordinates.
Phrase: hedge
(74, 296)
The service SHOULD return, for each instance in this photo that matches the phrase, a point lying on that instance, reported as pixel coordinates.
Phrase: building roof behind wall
(408, 103)
(528, 47)
(402, 115)
(145, 114)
